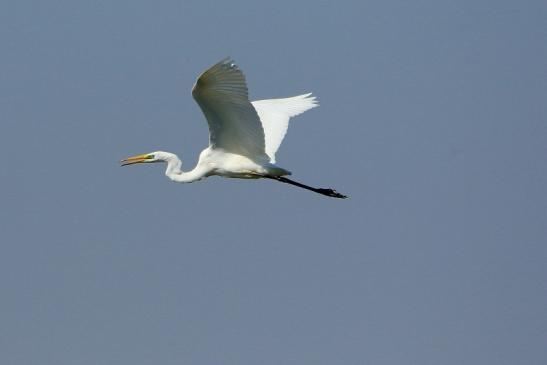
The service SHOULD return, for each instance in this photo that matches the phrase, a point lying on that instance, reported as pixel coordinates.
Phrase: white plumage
(275, 114)
(243, 136)
(234, 125)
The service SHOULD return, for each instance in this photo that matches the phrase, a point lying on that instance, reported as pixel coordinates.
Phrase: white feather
(275, 114)
(234, 125)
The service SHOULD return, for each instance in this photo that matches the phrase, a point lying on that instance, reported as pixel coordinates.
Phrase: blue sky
(432, 118)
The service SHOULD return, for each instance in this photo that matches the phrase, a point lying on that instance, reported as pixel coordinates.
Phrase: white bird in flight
(243, 135)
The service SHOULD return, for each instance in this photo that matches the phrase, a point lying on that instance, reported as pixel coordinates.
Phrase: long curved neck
(175, 173)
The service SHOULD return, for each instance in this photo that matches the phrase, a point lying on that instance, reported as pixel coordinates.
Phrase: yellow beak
(135, 159)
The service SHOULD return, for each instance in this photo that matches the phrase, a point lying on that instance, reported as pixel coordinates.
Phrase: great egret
(243, 136)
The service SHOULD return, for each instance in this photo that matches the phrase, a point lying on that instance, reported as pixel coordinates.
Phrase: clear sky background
(433, 118)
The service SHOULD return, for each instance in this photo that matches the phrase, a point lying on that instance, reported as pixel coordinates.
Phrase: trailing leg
(328, 192)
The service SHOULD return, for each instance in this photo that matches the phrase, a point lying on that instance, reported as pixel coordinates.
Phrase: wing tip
(309, 98)
(223, 77)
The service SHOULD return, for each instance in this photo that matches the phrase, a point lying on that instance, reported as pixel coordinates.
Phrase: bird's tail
(328, 192)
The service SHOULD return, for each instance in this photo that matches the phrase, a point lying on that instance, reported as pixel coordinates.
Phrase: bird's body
(243, 136)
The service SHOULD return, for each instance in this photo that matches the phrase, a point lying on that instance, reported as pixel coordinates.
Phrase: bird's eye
(150, 156)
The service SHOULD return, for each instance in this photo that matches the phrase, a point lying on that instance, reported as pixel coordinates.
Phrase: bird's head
(157, 156)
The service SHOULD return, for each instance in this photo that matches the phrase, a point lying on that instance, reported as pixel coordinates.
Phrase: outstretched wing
(234, 125)
(274, 115)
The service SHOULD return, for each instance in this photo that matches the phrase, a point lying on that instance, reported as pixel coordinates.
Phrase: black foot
(331, 192)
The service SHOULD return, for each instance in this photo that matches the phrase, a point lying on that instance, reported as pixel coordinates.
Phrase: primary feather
(275, 114)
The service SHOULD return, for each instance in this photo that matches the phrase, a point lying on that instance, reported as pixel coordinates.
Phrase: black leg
(328, 192)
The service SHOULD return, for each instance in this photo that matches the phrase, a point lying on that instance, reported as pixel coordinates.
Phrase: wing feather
(275, 114)
(234, 125)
